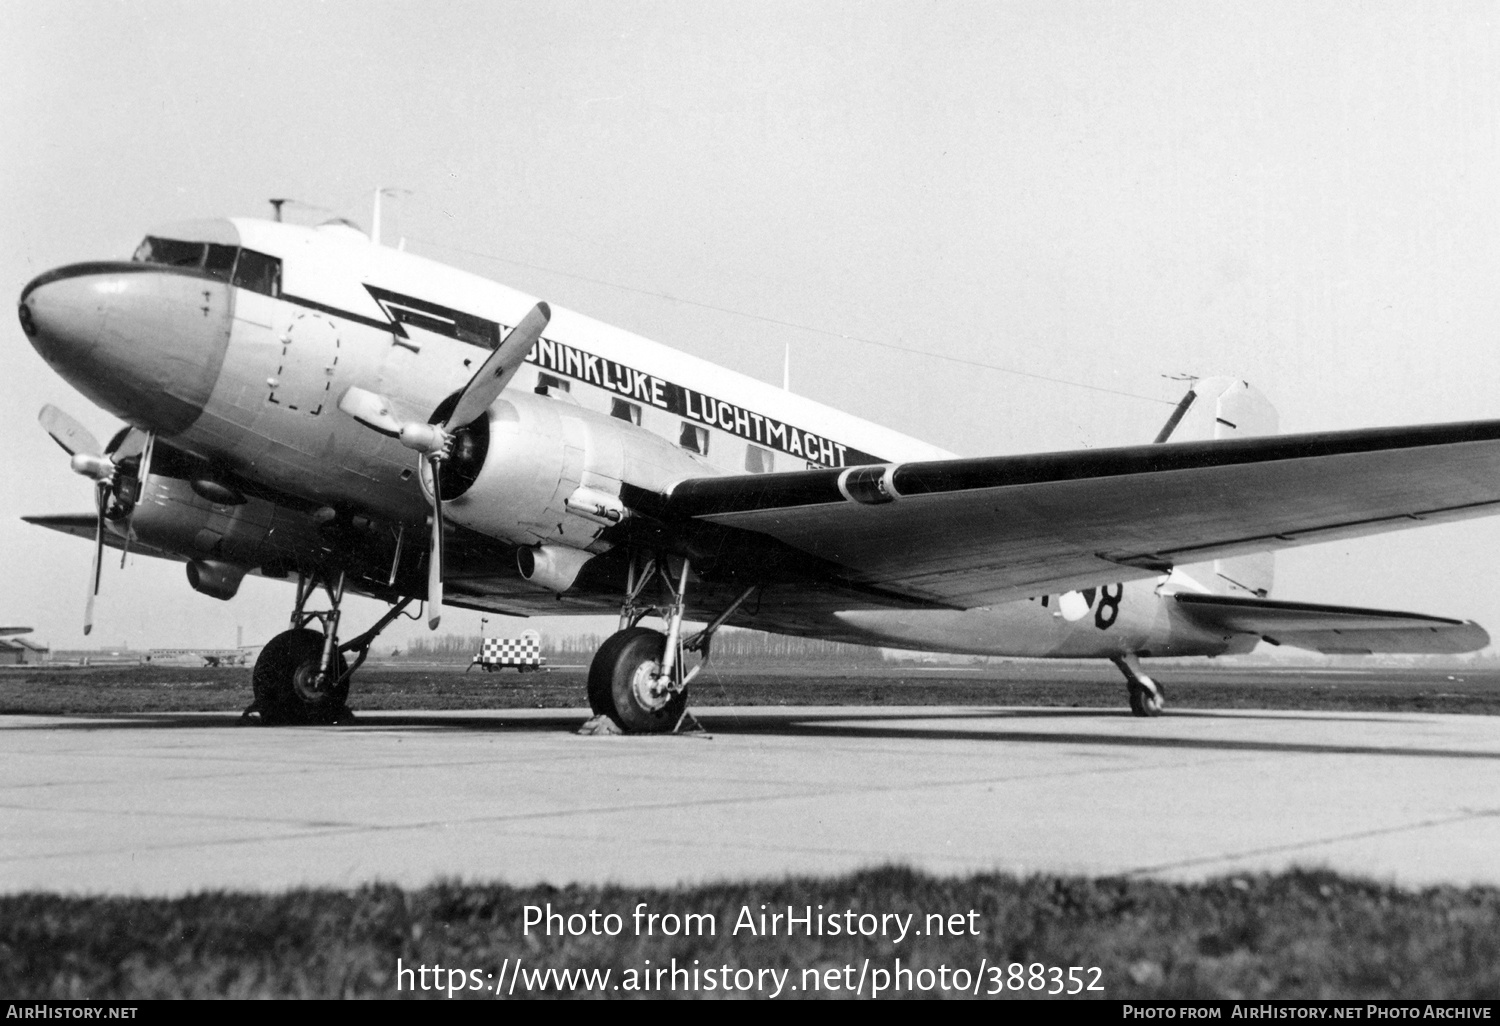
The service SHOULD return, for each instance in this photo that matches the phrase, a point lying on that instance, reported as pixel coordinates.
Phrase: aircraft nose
(142, 341)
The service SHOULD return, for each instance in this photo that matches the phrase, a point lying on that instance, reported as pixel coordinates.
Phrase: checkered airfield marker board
(524, 653)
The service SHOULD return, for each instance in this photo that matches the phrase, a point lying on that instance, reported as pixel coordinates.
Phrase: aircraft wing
(82, 525)
(1333, 630)
(972, 532)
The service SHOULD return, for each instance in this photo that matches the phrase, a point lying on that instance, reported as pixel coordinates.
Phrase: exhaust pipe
(215, 578)
(552, 566)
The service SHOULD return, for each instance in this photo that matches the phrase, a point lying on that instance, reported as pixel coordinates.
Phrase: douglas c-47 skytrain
(305, 404)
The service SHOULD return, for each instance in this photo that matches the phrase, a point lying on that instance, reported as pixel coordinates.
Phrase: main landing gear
(301, 675)
(1146, 696)
(637, 678)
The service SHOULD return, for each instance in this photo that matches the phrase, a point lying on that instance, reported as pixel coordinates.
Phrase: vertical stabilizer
(1222, 408)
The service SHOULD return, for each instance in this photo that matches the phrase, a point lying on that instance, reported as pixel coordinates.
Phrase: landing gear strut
(637, 678)
(301, 675)
(1146, 696)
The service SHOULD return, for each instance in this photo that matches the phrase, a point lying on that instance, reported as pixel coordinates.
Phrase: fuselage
(235, 340)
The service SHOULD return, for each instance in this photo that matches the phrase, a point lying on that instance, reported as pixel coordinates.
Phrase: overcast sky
(1100, 194)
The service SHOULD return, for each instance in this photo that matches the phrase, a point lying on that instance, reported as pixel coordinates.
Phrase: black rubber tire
(1143, 703)
(284, 676)
(611, 679)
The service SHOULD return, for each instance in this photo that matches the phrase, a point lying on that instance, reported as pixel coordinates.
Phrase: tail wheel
(286, 682)
(1144, 701)
(621, 685)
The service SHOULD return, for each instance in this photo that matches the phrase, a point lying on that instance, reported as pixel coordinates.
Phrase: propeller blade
(371, 409)
(102, 495)
(492, 377)
(145, 465)
(143, 471)
(74, 438)
(435, 552)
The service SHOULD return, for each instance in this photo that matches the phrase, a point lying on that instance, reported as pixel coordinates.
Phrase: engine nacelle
(169, 514)
(538, 471)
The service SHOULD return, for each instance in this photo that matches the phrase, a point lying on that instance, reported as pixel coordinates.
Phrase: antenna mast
(384, 190)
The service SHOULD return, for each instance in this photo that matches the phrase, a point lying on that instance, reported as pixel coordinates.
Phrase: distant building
(20, 652)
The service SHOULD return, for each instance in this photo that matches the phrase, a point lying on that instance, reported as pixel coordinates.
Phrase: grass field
(1310, 935)
(61, 690)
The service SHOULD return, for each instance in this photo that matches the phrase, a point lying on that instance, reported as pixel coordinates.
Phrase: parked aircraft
(207, 656)
(302, 403)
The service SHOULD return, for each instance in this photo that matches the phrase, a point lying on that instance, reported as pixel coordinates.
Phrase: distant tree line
(730, 645)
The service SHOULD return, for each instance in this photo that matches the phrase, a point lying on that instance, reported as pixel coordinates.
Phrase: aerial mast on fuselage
(383, 190)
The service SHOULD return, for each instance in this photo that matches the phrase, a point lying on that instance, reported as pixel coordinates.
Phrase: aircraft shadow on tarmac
(910, 723)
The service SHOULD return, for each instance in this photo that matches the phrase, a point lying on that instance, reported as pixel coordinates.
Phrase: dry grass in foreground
(1300, 934)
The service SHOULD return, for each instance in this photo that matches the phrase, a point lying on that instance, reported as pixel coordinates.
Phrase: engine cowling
(542, 471)
(222, 541)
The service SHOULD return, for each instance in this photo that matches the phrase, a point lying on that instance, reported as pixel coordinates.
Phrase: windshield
(170, 252)
(243, 267)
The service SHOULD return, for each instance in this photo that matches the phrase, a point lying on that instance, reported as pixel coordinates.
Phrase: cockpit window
(243, 267)
(220, 262)
(258, 273)
(170, 252)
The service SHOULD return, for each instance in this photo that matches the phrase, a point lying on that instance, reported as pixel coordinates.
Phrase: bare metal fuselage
(247, 378)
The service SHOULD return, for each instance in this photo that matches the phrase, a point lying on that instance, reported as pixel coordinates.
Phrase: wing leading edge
(972, 532)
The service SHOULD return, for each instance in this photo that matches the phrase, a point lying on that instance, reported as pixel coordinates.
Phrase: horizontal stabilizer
(1333, 630)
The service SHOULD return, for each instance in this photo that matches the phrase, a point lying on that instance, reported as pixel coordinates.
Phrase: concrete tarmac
(167, 804)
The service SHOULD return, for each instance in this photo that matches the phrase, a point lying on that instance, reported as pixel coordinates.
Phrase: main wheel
(286, 685)
(621, 688)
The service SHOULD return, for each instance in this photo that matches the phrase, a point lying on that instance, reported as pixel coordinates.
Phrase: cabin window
(758, 460)
(625, 411)
(220, 262)
(546, 381)
(694, 438)
(258, 273)
(170, 252)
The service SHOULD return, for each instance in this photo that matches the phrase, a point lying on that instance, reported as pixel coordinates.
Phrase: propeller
(143, 473)
(90, 460)
(434, 441)
(105, 467)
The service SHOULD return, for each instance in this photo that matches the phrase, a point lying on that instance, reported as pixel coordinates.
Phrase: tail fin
(1217, 408)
